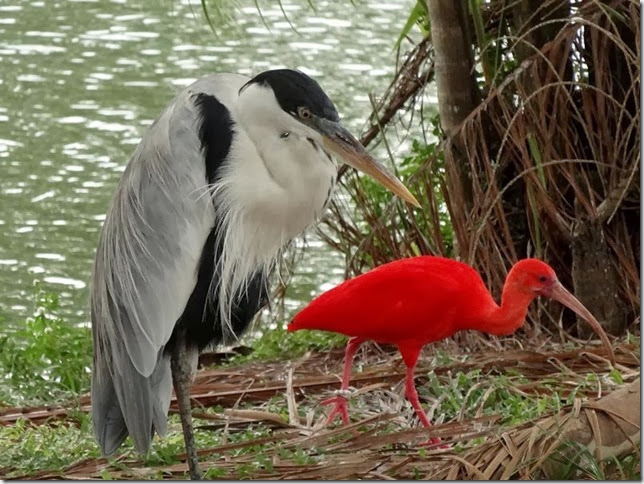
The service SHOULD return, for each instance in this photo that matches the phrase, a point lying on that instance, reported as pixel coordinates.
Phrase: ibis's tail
(293, 326)
(311, 318)
(300, 321)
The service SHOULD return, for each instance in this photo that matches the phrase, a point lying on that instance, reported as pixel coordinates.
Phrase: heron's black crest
(215, 133)
(294, 89)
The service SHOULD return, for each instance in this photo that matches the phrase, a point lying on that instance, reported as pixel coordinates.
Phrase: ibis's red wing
(420, 299)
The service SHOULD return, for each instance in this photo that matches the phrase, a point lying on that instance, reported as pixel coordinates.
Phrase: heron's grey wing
(152, 238)
(146, 268)
(124, 401)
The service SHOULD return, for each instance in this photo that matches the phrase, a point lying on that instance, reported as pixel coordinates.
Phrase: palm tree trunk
(455, 82)
(453, 64)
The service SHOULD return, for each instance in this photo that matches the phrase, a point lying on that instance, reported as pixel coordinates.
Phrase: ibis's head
(307, 113)
(536, 278)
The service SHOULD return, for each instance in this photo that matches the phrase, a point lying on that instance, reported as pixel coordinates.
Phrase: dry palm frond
(608, 428)
(381, 443)
(553, 159)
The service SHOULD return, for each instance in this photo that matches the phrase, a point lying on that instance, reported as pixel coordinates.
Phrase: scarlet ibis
(415, 301)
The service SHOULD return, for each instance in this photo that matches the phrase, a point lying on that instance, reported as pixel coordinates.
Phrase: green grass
(26, 449)
(575, 461)
(276, 344)
(44, 359)
(492, 393)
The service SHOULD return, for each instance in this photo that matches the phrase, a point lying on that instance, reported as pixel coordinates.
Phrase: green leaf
(105, 475)
(616, 375)
(535, 152)
(418, 16)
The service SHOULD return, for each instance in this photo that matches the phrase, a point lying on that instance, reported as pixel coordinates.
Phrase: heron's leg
(340, 401)
(181, 363)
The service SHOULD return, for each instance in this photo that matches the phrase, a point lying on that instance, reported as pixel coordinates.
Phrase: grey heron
(231, 171)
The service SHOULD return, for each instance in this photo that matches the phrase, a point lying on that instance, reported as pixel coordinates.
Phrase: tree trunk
(453, 62)
(531, 19)
(595, 278)
(455, 77)
(530, 23)
(595, 265)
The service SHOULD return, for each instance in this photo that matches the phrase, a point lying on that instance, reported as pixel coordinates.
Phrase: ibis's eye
(543, 278)
(303, 113)
(285, 134)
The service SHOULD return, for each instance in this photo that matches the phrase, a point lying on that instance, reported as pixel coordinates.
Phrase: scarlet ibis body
(415, 301)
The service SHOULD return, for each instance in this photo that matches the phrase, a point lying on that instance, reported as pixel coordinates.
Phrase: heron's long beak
(561, 294)
(339, 141)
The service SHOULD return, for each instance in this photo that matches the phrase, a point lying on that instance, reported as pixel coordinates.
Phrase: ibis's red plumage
(412, 302)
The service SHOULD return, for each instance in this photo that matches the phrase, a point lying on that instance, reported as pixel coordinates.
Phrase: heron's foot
(340, 407)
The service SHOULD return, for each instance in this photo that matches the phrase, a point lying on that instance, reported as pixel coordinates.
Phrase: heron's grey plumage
(152, 236)
(155, 229)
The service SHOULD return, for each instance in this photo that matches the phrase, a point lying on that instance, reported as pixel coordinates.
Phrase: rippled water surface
(81, 80)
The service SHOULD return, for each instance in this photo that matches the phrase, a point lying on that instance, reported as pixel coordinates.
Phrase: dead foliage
(552, 157)
(383, 442)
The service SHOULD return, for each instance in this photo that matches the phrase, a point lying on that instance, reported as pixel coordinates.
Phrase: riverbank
(496, 407)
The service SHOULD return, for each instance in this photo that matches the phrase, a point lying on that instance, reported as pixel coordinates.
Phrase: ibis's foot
(339, 407)
(437, 443)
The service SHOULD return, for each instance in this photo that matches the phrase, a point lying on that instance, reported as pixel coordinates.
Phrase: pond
(80, 81)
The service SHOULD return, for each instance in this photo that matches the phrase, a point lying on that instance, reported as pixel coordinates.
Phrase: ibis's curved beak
(342, 143)
(561, 294)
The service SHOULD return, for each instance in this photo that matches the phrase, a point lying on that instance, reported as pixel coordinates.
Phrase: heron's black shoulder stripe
(215, 133)
(200, 317)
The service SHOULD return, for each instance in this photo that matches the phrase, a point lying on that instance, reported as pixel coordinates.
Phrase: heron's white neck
(285, 176)
(271, 189)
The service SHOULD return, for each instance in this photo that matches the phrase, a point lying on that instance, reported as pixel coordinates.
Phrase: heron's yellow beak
(342, 143)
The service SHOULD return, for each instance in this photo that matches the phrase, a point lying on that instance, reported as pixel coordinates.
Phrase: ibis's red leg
(339, 401)
(412, 396)
(410, 355)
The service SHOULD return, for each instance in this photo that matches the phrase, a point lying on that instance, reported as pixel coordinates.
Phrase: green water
(81, 80)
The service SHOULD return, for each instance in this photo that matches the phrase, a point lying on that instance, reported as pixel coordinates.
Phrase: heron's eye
(285, 134)
(543, 278)
(304, 113)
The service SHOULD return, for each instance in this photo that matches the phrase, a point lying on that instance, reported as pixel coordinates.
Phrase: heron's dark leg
(181, 363)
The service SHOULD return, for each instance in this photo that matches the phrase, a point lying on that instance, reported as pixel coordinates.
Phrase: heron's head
(311, 116)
